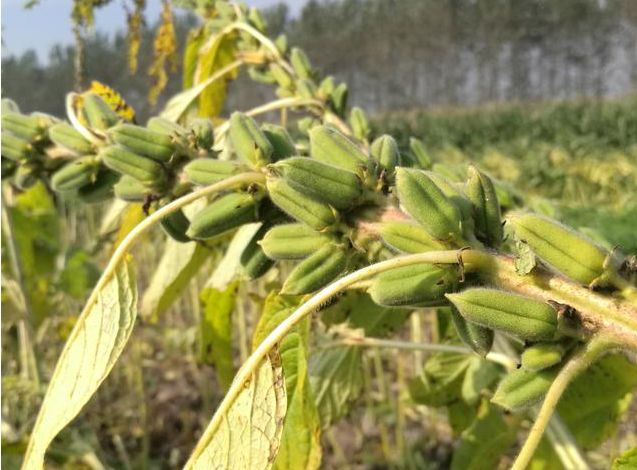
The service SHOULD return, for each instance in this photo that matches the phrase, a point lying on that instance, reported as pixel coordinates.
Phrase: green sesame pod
(520, 316)
(45, 121)
(281, 76)
(292, 241)
(65, 135)
(250, 144)
(9, 106)
(25, 127)
(254, 261)
(359, 123)
(75, 174)
(478, 338)
(523, 388)
(329, 146)
(408, 237)
(567, 251)
(281, 43)
(204, 133)
(205, 171)
(416, 285)
(322, 182)
(385, 151)
(128, 163)
(142, 141)
(486, 208)
(165, 126)
(281, 141)
(425, 202)
(257, 20)
(131, 190)
(306, 89)
(261, 75)
(297, 205)
(15, 148)
(300, 63)
(338, 98)
(101, 189)
(420, 154)
(457, 197)
(176, 225)
(316, 271)
(542, 356)
(98, 113)
(326, 87)
(226, 213)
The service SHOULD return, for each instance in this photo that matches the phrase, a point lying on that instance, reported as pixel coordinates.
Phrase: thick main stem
(468, 257)
(579, 362)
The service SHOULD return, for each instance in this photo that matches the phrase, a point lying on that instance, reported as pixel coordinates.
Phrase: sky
(49, 22)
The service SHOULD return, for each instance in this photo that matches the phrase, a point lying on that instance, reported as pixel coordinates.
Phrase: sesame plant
(536, 324)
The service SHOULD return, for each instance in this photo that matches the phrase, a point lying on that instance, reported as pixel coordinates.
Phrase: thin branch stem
(312, 305)
(579, 362)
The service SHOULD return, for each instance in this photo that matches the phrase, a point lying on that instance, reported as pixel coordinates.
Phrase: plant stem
(313, 304)
(579, 362)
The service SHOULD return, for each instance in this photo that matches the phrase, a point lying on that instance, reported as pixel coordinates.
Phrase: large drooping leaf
(191, 54)
(215, 331)
(300, 442)
(97, 340)
(247, 437)
(336, 376)
(484, 442)
(179, 263)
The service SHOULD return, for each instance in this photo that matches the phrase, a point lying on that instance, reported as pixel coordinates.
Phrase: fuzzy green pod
(408, 237)
(143, 141)
(226, 213)
(15, 148)
(359, 123)
(321, 181)
(20, 125)
(204, 133)
(75, 174)
(420, 154)
(417, 285)
(281, 76)
(316, 271)
(542, 356)
(338, 98)
(176, 225)
(306, 89)
(329, 146)
(486, 208)
(121, 160)
(205, 171)
(477, 337)
(130, 189)
(567, 251)
(98, 113)
(254, 262)
(281, 141)
(454, 194)
(65, 135)
(165, 126)
(425, 202)
(523, 388)
(520, 316)
(297, 205)
(250, 144)
(384, 150)
(300, 63)
(292, 241)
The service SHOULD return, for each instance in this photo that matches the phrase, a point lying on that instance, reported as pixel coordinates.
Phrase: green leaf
(97, 340)
(179, 263)
(594, 403)
(248, 435)
(336, 376)
(441, 382)
(525, 258)
(460, 416)
(215, 331)
(79, 275)
(626, 461)
(480, 375)
(300, 442)
(484, 442)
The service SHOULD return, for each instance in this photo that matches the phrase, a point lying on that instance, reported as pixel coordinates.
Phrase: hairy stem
(578, 363)
(247, 370)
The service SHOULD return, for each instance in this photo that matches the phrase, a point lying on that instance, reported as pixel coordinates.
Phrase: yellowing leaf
(248, 435)
(132, 215)
(215, 331)
(191, 54)
(97, 340)
(179, 263)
